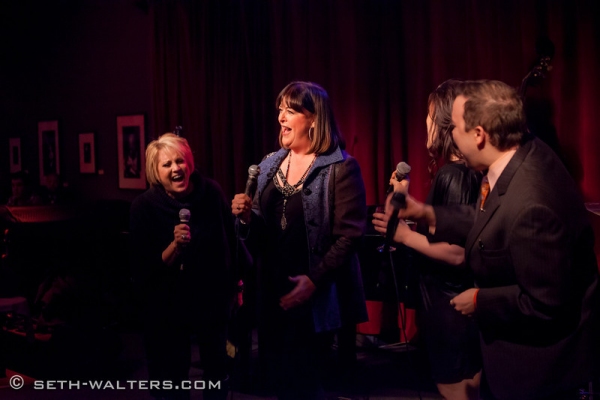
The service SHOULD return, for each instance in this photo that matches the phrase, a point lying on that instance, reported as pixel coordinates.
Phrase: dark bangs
(297, 97)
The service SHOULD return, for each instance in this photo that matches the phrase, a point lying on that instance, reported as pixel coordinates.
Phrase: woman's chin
(177, 191)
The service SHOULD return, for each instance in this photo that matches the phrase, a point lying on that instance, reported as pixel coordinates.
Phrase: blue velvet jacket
(335, 214)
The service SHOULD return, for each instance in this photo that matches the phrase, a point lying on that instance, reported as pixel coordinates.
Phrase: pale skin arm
(445, 252)
(181, 237)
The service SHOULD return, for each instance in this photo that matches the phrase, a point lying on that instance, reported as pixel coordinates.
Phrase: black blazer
(531, 252)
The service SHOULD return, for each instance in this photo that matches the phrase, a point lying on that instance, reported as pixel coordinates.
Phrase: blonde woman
(183, 268)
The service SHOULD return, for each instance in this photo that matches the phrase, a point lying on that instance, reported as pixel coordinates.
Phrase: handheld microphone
(398, 201)
(253, 173)
(402, 170)
(184, 218)
(184, 215)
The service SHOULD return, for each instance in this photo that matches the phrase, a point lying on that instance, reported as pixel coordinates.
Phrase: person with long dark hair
(451, 339)
(309, 213)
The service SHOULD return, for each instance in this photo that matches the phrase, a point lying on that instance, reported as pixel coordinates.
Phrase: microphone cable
(398, 201)
(239, 327)
(402, 317)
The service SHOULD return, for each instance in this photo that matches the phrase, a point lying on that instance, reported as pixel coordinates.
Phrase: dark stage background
(215, 67)
(218, 66)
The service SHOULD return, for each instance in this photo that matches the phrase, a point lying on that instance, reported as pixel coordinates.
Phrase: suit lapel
(483, 217)
(494, 199)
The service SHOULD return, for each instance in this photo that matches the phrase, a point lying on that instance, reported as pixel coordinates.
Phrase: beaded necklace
(286, 189)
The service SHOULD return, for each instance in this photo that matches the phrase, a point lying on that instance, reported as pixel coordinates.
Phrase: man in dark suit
(530, 247)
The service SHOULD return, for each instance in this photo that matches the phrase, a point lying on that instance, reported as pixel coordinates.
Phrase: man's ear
(480, 136)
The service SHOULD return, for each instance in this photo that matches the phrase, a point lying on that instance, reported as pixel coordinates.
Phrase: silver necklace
(286, 189)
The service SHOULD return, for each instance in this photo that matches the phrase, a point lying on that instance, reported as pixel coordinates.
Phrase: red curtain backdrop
(218, 66)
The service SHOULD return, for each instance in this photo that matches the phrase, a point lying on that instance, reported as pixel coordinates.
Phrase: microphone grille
(184, 215)
(403, 168)
(254, 170)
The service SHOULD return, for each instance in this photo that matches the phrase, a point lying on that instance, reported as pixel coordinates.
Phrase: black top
(287, 249)
(207, 280)
(454, 183)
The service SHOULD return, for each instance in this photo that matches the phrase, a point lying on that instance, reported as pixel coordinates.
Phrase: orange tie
(485, 190)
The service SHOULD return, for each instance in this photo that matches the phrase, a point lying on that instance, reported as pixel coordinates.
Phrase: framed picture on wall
(48, 149)
(87, 154)
(14, 146)
(130, 143)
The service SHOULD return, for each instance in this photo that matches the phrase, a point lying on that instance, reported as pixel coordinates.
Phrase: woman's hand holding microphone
(241, 207)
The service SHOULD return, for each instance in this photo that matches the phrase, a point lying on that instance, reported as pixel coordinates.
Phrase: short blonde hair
(171, 142)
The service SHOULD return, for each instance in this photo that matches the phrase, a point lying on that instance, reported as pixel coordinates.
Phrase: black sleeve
(349, 217)
(453, 223)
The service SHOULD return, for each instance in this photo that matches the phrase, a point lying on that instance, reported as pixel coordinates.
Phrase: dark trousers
(168, 355)
(293, 355)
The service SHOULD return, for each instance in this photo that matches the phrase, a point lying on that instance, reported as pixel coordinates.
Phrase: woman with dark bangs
(304, 226)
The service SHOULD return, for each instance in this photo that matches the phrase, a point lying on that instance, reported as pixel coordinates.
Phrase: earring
(309, 136)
